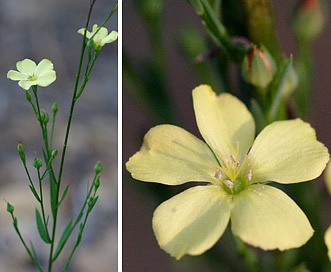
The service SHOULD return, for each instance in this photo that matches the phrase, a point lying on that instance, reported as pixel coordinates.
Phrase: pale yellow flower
(236, 170)
(30, 74)
(100, 38)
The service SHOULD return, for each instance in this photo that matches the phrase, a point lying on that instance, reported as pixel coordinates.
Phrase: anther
(228, 183)
(249, 175)
(218, 174)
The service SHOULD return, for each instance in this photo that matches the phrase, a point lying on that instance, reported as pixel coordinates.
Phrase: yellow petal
(192, 221)
(171, 155)
(223, 121)
(287, 152)
(265, 217)
(327, 239)
(327, 178)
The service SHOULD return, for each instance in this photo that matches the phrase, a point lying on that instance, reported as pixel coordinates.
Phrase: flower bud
(37, 163)
(98, 168)
(10, 208)
(28, 96)
(258, 67)
(308, 20)
(291, 83)
(44, 117)
(55, 107)
(96, 183)
(21, 151)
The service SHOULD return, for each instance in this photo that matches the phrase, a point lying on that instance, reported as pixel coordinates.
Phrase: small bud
(96, 183)
(90, 43)
(54, 107)
(28, 96)
(54, 153)
(10, 208)
(258, 67)
(37, 163)
(98, 168)
(291, 83)
(21, 151)
(44, 117)
(308, 20)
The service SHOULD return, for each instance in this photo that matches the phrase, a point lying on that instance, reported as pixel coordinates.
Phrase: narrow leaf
(42, 228)
(63, 195)
(33, 190)
(64, 238)
(35, 257)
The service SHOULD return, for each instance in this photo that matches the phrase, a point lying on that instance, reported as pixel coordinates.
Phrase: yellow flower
(30, 74)
(100, 38)
(236, 169)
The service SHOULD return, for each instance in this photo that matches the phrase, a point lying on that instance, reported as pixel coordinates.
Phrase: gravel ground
(38, 29)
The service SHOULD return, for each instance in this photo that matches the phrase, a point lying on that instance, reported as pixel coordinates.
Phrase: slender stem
(23, 242)
(42, 202)
(71, 111)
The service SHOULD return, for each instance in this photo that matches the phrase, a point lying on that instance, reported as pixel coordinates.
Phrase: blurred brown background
(140, 249)
(39, 29)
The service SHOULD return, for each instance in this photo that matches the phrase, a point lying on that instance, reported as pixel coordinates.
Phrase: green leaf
(35, 257)
(63, 195)
(42, 228)
(64, 238)
(33, 190)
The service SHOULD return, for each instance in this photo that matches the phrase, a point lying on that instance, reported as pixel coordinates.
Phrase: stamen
(218, 174)
(228, 183)
(249, 175)
(233, 159)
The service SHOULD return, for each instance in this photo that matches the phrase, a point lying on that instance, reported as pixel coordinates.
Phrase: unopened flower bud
(10, 208)
(54, 153)
(21, 151)
(98, 168)
(28, 96)
(258, 67)
(44, 117)
(55, 107)
(291, 83)
(37, 163)
(96, 183)
(308, 20)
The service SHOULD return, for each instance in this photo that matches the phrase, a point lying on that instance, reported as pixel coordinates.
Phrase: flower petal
(266, 217)
(223, 121)
(111, 37)
(327, 178)
(26, 66)
(43, 67)
(192, 221)
(171, 155)
(327, 239)
(287, 152)
(46, 78)
(26, 84)
(14, 75)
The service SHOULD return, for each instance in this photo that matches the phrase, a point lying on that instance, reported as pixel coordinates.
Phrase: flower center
(32, 78)
(233, 174)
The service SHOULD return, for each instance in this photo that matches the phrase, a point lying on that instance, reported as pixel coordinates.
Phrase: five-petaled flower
(237, 170)
(30, 74)
(101, 37)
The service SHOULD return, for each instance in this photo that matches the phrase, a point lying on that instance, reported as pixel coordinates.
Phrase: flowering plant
(49, 169)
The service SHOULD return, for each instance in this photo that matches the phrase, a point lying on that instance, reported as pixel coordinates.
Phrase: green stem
(42, 202)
